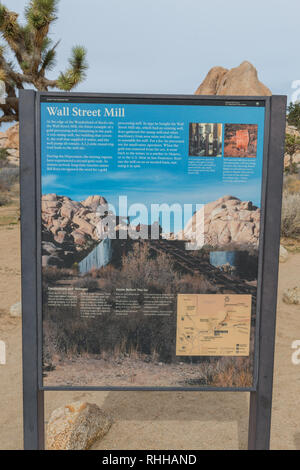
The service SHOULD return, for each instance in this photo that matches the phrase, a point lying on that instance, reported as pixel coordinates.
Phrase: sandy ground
(156, 420)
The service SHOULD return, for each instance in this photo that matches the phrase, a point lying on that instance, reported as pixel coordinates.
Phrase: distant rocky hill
(242, 80)
(226, 221)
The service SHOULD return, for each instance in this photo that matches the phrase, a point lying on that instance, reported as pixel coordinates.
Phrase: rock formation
(76, 426)
(10, 141)
(69, 228)
(223, 222)
(241, 80)
(10, 138)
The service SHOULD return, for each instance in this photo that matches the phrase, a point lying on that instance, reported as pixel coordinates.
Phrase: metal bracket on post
(33, 398)
(261, 399)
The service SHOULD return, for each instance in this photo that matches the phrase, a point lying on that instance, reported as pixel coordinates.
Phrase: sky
(168, 46)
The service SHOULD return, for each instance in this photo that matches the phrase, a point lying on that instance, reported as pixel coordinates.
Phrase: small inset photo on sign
(240, 140)
(205, 139)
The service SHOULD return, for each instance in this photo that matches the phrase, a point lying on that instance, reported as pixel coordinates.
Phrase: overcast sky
(168, 46)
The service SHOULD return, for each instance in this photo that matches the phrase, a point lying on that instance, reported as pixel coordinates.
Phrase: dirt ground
(155, 420)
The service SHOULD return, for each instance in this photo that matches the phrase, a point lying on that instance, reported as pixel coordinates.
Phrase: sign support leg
(261, 399)
(33, 397)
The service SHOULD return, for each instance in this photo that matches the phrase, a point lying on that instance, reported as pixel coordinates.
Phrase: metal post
(261, 399)
(33, 398)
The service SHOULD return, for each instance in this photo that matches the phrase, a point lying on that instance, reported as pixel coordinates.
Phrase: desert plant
(51, 274)
(8, 177)
(34, 54)
(293, 116)
(292, 146)
(141, 269)
(3, 156)
(87, 282)
(290, 218)
(4, 199)
(233, 374)
(291, 184)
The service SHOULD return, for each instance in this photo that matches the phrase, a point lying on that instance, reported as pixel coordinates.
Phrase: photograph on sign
(150, 227)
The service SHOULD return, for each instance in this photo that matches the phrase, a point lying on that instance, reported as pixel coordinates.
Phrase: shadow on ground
(297, 440)
(183, 412)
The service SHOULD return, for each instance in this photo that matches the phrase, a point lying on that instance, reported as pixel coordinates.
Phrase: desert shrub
(223, 372)
(53, 273)
(50, 344)
(229, 373)
(108, 334)
(87, 282)
(293, 116)
(3, 157)
(290, 218)
(291, 184)
(4, 199)
(8, 177)
(141, 269)
(109, 273)
(292, 169)
(188, 284)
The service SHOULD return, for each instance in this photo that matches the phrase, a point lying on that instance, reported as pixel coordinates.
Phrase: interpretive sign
(152, 254)
(150, 239)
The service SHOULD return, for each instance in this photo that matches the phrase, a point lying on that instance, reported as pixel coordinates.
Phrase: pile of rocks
(69, 228)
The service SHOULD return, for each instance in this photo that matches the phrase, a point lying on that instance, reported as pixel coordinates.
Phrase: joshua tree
(34, 54)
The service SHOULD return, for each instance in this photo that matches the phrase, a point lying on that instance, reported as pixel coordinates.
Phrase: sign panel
(150, 241)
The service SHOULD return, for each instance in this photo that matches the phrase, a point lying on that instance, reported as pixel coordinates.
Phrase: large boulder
(10, 138)
(292, 296)
(76, 426)
(225, 221)
(242, 80)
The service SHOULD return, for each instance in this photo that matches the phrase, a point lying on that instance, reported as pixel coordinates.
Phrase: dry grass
(52, 273)
(290, 219)
(291, 244)
(291, 184)
(233, 376)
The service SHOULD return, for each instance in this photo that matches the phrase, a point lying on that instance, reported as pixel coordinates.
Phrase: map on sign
(213, 325)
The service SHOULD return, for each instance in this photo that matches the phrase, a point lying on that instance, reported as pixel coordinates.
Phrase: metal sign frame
(261, 391)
